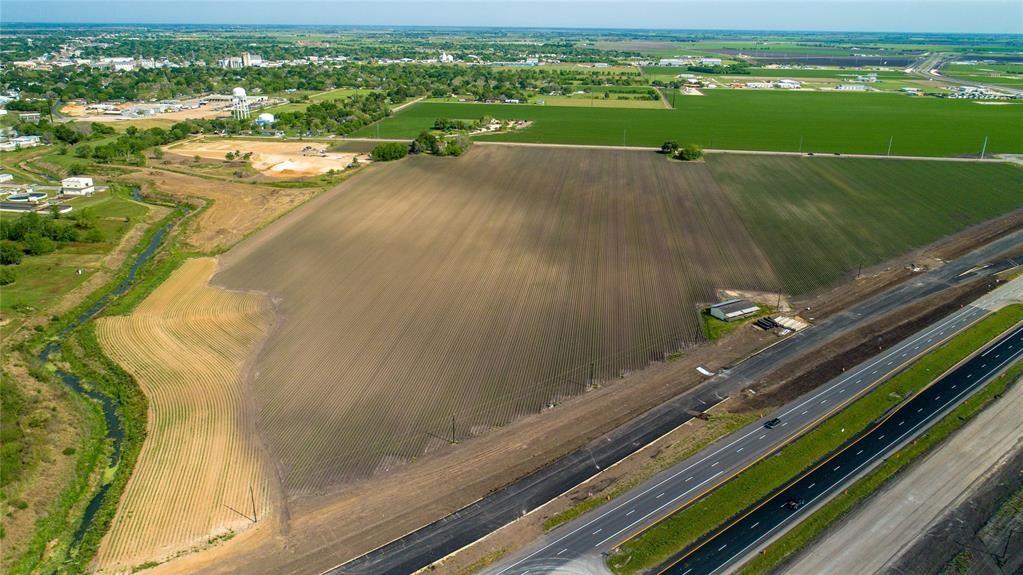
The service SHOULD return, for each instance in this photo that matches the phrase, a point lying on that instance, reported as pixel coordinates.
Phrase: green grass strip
(815, 524)
(685, 527)
(714, 328)
(720, 426)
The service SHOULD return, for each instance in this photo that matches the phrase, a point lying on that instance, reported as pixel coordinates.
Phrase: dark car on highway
(773, 423)
(794, 504)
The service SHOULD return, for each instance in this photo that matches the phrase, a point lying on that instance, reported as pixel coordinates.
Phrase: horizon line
(509, 27)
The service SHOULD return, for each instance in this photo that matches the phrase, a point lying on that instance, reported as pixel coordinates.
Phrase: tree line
(33, 234)
(397, 82)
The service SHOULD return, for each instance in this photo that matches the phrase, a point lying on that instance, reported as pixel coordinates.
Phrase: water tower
(239, 104)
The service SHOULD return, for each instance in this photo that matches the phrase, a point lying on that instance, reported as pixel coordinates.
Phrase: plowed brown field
(188, 346)
(477, 289)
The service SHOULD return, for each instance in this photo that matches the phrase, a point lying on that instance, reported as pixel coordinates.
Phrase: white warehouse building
(77, 186)
(733, 309)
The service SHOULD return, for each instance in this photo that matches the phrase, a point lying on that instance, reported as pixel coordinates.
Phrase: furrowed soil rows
(187, 345)
(818, 219)
(442, 296)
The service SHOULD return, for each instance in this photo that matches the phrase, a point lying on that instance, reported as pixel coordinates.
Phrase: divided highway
(448, 534)
(608, 526)
(902, 425)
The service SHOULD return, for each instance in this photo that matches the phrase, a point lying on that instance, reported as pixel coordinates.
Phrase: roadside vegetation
(718, 426)
(813, 526)
(69, 519)
(687, 526)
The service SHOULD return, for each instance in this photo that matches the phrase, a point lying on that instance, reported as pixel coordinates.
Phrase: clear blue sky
(842, 15)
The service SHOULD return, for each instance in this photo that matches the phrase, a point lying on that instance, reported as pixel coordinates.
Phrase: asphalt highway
(670, 490)
(448, 534)
(799, 498)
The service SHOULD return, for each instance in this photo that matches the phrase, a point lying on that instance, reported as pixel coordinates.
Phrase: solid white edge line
(935, 416)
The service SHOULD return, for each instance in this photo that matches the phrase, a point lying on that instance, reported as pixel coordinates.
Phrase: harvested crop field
(274, 158)
(188, 345)
(236, 210)
(478, 289)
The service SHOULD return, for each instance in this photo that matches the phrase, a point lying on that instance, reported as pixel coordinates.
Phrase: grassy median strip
(808, 530)
(685, 527)
(719, 426)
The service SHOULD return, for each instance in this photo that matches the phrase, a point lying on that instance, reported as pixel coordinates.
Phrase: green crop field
(662, 72)
(763, 120)
(1010, 75)
(818, 218)
(598, 101)
(838, 73)
(668, 49)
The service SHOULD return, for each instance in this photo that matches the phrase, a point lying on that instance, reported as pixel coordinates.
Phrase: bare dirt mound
(200, 468)
(274, 158)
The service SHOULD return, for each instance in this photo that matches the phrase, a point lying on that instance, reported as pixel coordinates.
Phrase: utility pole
(983, 149)
(252, 497)
(800, 144)
(890, 140)
(452, 429)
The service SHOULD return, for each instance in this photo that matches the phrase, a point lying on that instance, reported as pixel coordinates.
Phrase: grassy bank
(811, 527)
(47, 546)
(80, 354)
(685, 527)
(88, 362)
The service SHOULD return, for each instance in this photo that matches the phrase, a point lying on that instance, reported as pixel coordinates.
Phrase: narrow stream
(115, 431)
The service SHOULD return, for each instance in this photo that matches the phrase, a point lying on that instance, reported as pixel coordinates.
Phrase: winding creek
(115, 430)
